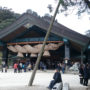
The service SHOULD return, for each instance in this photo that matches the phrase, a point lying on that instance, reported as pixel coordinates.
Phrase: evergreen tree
(7, 17)
(80, 5)
(88, 33)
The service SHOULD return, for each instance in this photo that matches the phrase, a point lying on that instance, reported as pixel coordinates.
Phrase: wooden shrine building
(29, 30)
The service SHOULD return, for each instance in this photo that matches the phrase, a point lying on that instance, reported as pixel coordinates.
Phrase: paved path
(19, 81)
(24, 88)
(79, 88)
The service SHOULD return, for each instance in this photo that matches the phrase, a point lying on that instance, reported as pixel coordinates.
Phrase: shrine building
(24, 38)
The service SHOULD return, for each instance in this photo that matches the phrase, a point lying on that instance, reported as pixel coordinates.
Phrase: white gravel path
(42, 79)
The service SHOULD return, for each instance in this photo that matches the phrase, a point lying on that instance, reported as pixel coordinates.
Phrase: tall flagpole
(44, 43)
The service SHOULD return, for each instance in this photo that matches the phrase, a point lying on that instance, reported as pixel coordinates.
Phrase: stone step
(79, 88)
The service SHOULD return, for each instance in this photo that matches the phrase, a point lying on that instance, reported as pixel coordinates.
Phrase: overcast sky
(40, 6)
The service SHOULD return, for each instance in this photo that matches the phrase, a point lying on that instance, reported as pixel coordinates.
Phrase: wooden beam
(21, 43)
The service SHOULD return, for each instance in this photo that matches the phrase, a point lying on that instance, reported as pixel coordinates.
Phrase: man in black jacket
(86, 74)
(56, 79)
(81, 73)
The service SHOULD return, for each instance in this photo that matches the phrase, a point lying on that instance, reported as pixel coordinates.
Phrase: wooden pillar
(81, 56)
(5, 55)
(88, 55)
(67, 55)
(67, 51)
(44, 43)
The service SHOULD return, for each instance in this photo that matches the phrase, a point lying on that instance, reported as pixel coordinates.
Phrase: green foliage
(6, 22)
(80, 5)
(88, 33)
(7, 17)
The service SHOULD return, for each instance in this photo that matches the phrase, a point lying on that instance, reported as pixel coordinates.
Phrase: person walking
(15, 67)
(59, 66)
(56, 79)
(63, 68)
(86, 74)
(81, 73)
(19, 68)
(29, 67)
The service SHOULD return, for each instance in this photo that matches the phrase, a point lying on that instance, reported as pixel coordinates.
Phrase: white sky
(40, 6)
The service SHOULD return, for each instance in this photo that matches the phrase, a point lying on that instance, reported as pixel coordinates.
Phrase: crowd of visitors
(42, 66)
(84, 74)
(19, 67)
(84, 70)
(27, 66)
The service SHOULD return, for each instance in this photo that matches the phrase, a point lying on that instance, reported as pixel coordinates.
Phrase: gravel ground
(19, 81)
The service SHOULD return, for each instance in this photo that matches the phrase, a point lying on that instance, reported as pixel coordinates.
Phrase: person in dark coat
(19, 68)
(81, 73)
(86, 74)
(59, 66)
(56, 79)
(89, 71)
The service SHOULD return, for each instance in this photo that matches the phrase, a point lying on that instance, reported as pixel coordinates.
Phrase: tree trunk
(42, 49)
